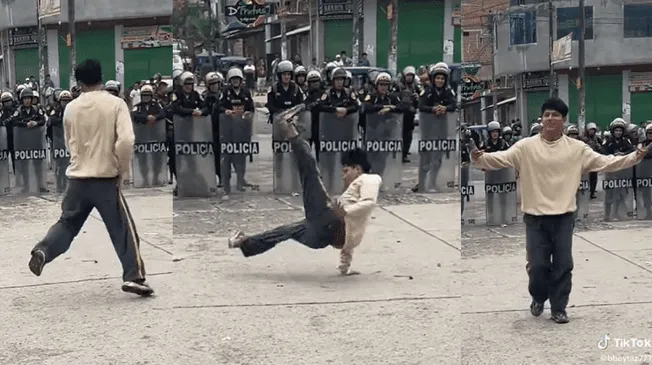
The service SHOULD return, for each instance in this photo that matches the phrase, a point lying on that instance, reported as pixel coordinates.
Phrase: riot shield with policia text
(61, 157)
(619, 195)
(500, 197)
(150, 154)
(337, 136)
(583, 198)
(286, 171)
(30, 156)
(5, 185)
(195, 165)
(384, 146)
(236, 146)
(437, 152)
(644, 189)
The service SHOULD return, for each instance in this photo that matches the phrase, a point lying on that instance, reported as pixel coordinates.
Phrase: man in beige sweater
(549, 183)
(339, 223)
(100, 137)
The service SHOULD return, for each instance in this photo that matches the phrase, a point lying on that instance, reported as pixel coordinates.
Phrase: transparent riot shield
(336, 136)
(30, 156)
(472, 195)
(384, 146)
(5, 187)
(150, 155)
(618, 195)
(286, 172)
(437, 152)
(61, 157)
(500, 197)
(583, 198)
(644, 190)
(193, 147)
(237, 149)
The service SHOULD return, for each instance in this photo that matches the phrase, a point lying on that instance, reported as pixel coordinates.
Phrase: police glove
(31, 124)
(340, 112)
(196, 113)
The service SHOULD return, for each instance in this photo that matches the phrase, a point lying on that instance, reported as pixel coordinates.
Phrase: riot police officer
(348, 80)
(593, 139)
(7, 110)
(508, 136)
(535, 129)
(409, 91)
(75, 91)
(438, 98)
(285, 93)
(646, 192)
(632, 133)
(338, 99)
(112, 88)
(187, 101)
(619, 144)
(381, 101)
(148, 110)
(494, 142)
(27, 115)
(328, 71)
(313, 98)
(573, 132)
(300, 78)
(212, 97)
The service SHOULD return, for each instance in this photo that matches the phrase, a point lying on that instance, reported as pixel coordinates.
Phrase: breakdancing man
(340, 223)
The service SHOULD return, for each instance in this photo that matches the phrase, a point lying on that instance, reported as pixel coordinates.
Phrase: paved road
(611, 295)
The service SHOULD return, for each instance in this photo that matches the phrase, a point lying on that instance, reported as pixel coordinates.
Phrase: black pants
(217, 152)
(408, 132)
(172, 158)
(549, 246)
(81, 197)
(593, 182)
(318, 229)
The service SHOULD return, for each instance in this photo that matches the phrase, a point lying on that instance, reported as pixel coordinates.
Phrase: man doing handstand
(340, 223)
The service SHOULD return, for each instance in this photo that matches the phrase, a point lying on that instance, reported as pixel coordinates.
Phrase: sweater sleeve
(595, 162)
(368, 198)
(502, 159)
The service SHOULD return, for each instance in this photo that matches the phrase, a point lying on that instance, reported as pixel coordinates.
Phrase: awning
(506, 101)
(301, 30)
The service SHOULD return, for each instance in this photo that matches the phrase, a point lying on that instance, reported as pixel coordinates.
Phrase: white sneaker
(237, 239)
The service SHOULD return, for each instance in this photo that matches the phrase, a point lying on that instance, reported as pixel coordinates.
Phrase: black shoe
(406, 160)
(559, 317)
(37, 262)
(593, 196)
(536, 308)
(139, 287)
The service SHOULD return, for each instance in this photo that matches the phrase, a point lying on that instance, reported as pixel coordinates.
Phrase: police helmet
(338, 73)
(572, 129)
(313, 76)
(234, 72)
(211, 78)
(410, 70)
(493, 126)
(26, 93)
(187, 78)
(507, 130)
(48, 92)
(618, 123)
(330, 67)
(75, 90)
(65, 95)
(606, 134)
(439, 68)
(648, 128)
(20, 88)
(147, 90)
(36, 95)
(535, 129)
(6, 96)
(631, 128)
(591, 126)
(383, 77)
(112, 85)
(371, 75)
(176, 73)
(220, 77)
(283, 67)
(300, 70)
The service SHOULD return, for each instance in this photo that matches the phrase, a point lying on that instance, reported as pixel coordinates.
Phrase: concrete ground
(611, 296)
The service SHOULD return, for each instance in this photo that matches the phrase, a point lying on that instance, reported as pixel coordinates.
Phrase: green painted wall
(420, 33)
(641, 107)
(603, 105)
(97, 44)
(534, 102)
(26, 64)
(457, 51)
(338, 37)
(141, 64)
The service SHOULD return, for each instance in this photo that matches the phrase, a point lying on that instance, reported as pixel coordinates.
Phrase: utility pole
(551, 34)
(392, 16)
(494, 89)
(212, 33)
(42, 55)
(581, 116)
(355, 11)
(72, 51)
(311, 46)
(284, 38)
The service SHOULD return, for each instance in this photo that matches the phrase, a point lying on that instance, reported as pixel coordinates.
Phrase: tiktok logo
(604, 342)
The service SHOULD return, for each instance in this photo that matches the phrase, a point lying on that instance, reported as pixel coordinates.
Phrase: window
(568, 21)
(523, 28)
(516, 2)
(637, 21)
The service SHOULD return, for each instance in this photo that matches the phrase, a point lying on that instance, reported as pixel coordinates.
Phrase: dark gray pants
(81, 197)
(317, 230)
(549, 246)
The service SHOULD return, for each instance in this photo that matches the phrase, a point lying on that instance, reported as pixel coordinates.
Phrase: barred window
(637, 20)
(523, 28)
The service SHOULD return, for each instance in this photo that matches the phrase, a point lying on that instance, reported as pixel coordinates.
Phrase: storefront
(537, 90)
(96, 44)
(603, 100)
(24, 45)
(147, 51)
(640, 87)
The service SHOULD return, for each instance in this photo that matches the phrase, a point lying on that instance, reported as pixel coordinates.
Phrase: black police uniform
(374, 102)
(21, 117)
(409, 94)
(280, 98)
(312, 101)
(490, 146)
(183, 104)
(5, 120)
(212, 101)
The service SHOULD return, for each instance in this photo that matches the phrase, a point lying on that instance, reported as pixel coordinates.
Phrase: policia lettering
(194, 148)
(616, 184)
(640, 182)
(25, 155)
(584, 185)
(152, 147)
(4, 155)
(500, 188)
(438, 145)
(467, 190)
(240, 148)
(60, 153)
(384, 146)
(338, 146)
